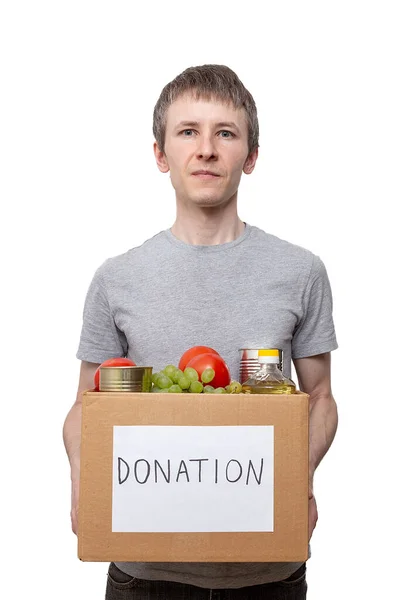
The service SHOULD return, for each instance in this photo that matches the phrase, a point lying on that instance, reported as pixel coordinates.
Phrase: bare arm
(314, 376)
(72, 435)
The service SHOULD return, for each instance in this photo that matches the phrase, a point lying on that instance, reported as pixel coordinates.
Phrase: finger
(75, 525)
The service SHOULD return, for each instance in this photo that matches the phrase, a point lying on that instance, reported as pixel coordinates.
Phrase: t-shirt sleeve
(315, 332)
(100, 337)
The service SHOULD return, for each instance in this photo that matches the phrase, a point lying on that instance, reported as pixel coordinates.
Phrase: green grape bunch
(175, 381)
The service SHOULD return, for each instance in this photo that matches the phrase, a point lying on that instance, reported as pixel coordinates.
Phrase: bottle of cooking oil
(269, 379)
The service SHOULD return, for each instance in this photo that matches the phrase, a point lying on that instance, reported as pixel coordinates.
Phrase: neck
(202, 226)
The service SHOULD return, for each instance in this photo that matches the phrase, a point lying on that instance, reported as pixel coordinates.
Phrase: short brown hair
(209, 82)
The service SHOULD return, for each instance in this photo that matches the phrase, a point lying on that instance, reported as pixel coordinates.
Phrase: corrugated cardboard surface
(289, 415)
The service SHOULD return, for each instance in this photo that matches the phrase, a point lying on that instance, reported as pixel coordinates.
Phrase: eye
(187, 132)
(224, 132)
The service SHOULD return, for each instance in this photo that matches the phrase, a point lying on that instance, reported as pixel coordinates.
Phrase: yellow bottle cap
(269, 352)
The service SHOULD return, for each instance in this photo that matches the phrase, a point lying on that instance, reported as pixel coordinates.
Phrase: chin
(208, 203)
(205, 201)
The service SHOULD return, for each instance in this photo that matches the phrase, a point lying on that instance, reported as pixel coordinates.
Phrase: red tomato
(112, 362)
(212, 361)
(191, 353)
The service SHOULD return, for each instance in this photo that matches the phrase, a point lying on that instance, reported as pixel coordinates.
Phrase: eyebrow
(230, 124)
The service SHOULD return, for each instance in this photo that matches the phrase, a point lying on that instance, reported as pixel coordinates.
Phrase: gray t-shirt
(159, 299)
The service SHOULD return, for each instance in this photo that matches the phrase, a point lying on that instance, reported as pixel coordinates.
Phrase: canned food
(249, 362)
(125, 379)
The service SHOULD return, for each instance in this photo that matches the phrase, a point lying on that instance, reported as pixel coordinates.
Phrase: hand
(312, 513)
(75, 503)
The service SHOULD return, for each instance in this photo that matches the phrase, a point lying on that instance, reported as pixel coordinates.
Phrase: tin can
(249, 362)
(125, 379)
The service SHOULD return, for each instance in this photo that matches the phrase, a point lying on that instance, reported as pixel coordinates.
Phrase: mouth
(203, 174)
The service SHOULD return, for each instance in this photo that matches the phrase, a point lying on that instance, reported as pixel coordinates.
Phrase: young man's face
(206, 150)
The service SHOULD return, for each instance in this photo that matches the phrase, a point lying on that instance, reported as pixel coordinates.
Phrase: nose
(206, 149)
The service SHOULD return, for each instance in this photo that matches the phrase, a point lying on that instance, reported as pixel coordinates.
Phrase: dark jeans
(121, 586)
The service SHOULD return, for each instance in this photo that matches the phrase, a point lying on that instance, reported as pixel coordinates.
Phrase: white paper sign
(188, 479)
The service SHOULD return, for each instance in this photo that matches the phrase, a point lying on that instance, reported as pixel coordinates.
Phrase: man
(213, 280)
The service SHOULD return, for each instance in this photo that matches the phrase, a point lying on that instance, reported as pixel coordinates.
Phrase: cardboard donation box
(194, 477)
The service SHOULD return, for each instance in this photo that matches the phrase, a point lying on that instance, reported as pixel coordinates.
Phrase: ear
(250, 163)
(161, 159)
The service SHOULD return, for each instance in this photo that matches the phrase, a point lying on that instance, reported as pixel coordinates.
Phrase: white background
(79, 184)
